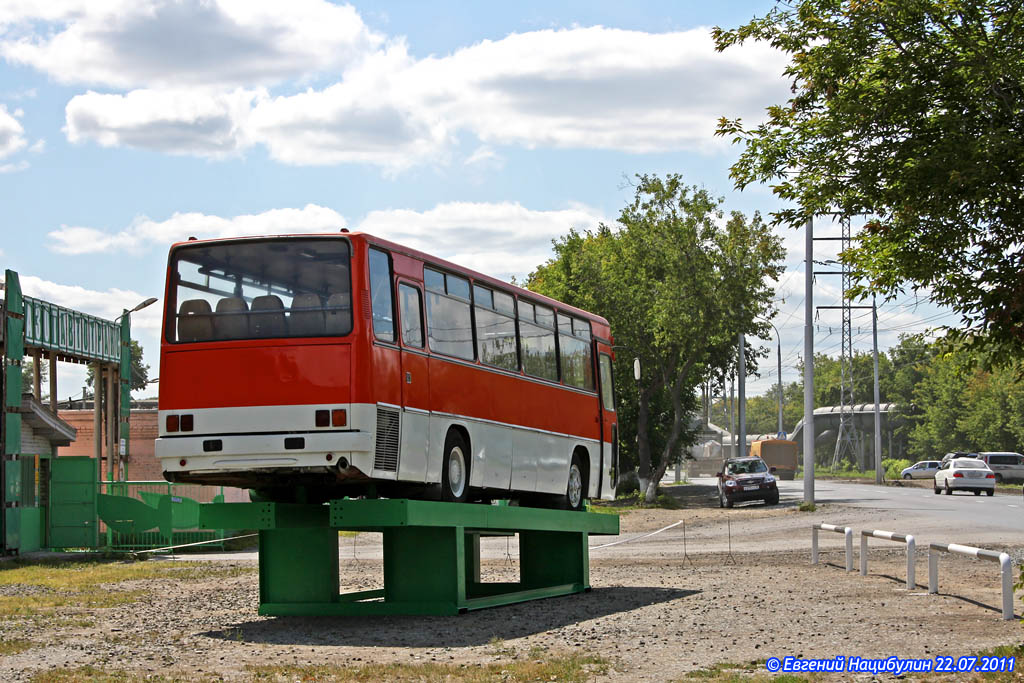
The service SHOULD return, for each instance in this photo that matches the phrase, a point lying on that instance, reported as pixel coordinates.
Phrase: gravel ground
(654, 612)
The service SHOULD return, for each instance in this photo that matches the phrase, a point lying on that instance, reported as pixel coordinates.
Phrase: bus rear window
(260, 289)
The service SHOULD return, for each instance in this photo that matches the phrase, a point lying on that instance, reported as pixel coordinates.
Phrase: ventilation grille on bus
(385, 457)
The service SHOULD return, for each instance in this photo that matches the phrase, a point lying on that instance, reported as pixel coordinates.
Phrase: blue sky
(476, 131)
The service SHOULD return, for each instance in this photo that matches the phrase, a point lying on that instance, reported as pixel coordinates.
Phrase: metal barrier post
(1005, 569)
(848, 535)
(888, 536)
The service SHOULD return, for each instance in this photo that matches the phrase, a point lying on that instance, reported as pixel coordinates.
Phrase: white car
(921, 470)
(965, 474)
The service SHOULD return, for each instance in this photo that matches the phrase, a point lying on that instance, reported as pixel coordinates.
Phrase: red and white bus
(311, 367)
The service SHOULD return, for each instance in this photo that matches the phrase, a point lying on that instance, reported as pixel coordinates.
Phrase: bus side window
(537, 340)
(449, 320)
(412, 322)
(380, 296)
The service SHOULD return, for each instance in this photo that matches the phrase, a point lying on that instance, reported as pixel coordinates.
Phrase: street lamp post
(119, 427)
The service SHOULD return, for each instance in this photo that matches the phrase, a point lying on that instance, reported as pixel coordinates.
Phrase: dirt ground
(654, 612)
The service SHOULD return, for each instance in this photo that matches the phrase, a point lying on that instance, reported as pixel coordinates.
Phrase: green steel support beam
(10, 469)
(125, 390)
(431, 554)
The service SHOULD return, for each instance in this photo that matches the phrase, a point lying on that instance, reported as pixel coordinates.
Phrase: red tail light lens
(990, 476)
(187, 423)
(339, 418)
(172, 423)
(958, 475)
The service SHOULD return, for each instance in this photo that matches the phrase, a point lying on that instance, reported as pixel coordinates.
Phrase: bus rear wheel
(455, 469)
(575, 489)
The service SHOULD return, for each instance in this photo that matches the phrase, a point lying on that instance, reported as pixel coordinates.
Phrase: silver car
(965, 474)
(925, 469)
(1008, 466)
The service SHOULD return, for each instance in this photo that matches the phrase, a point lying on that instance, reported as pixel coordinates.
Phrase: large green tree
(678, 283)
(910, 112)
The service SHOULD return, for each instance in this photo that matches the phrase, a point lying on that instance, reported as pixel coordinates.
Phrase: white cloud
(12, 135)
(146, 233)
(172, 43)
(594, 88)
(195, 121)
(501, 239)
(106, 304)
(13, 168)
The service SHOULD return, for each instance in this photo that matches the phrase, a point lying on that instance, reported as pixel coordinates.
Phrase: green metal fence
(138, 515)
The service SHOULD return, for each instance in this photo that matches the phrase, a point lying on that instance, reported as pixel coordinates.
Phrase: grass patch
(730, 672)
(87, 583)
(94, 674)
(634, 501)
(807, 507)
(838, 473)
(16, 646)
(574, 668)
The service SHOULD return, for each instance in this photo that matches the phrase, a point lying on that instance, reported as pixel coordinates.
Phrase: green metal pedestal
(431, 553)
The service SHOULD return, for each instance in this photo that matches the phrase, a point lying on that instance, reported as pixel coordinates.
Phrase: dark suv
(743, 479)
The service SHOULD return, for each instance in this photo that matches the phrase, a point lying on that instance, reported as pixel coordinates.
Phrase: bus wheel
(574, 490)
(455, 470)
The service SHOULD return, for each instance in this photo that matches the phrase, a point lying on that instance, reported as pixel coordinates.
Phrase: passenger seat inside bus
(232, 321)
(271, 324)
(339, 314)
(307, 317)
(194, 323)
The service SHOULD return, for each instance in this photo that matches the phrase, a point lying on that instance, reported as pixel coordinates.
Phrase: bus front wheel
(455, 469)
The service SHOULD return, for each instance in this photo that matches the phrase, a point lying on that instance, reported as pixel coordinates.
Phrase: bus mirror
(636, 369)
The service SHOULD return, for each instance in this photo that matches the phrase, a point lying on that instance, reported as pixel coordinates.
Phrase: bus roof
(423, 256)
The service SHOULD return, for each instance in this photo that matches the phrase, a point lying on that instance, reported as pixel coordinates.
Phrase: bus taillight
(339, 418)
(172, 423)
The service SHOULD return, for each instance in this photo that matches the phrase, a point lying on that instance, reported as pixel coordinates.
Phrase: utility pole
(778, 339)
(732, 416)
(743, 396)
(878, 410)
(809, 363)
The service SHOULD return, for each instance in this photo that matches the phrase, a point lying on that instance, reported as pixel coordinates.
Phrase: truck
(778, 453)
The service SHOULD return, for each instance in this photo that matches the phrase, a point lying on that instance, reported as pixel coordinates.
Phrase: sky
(477, 132)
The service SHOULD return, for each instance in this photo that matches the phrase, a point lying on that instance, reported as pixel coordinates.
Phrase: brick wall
(143, 465)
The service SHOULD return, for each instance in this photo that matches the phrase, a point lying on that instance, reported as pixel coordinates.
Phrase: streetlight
(148, 302)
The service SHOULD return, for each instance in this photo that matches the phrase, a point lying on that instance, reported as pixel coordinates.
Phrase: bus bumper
(241, 452)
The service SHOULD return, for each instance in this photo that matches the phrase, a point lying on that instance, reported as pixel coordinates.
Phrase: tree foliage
(908, 111)
(945, 398)
(678, 282)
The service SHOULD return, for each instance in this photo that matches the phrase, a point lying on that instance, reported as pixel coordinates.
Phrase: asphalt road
(918, 510)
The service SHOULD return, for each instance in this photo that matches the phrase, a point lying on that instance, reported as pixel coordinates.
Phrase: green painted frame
(431, 554)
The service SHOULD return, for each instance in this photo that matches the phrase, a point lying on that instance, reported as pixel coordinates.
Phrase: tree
(28, 376)
(908, 111)
(677, 287)
(139, 372)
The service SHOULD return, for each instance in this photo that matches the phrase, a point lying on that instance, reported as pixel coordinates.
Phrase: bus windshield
(258, 289)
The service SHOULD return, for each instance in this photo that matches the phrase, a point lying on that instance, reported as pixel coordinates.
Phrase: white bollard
(1005, 569)
(847, 533)
(888, 536)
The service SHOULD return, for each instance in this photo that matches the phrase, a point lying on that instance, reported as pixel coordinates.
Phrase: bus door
(609, 466)
(415, 384)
